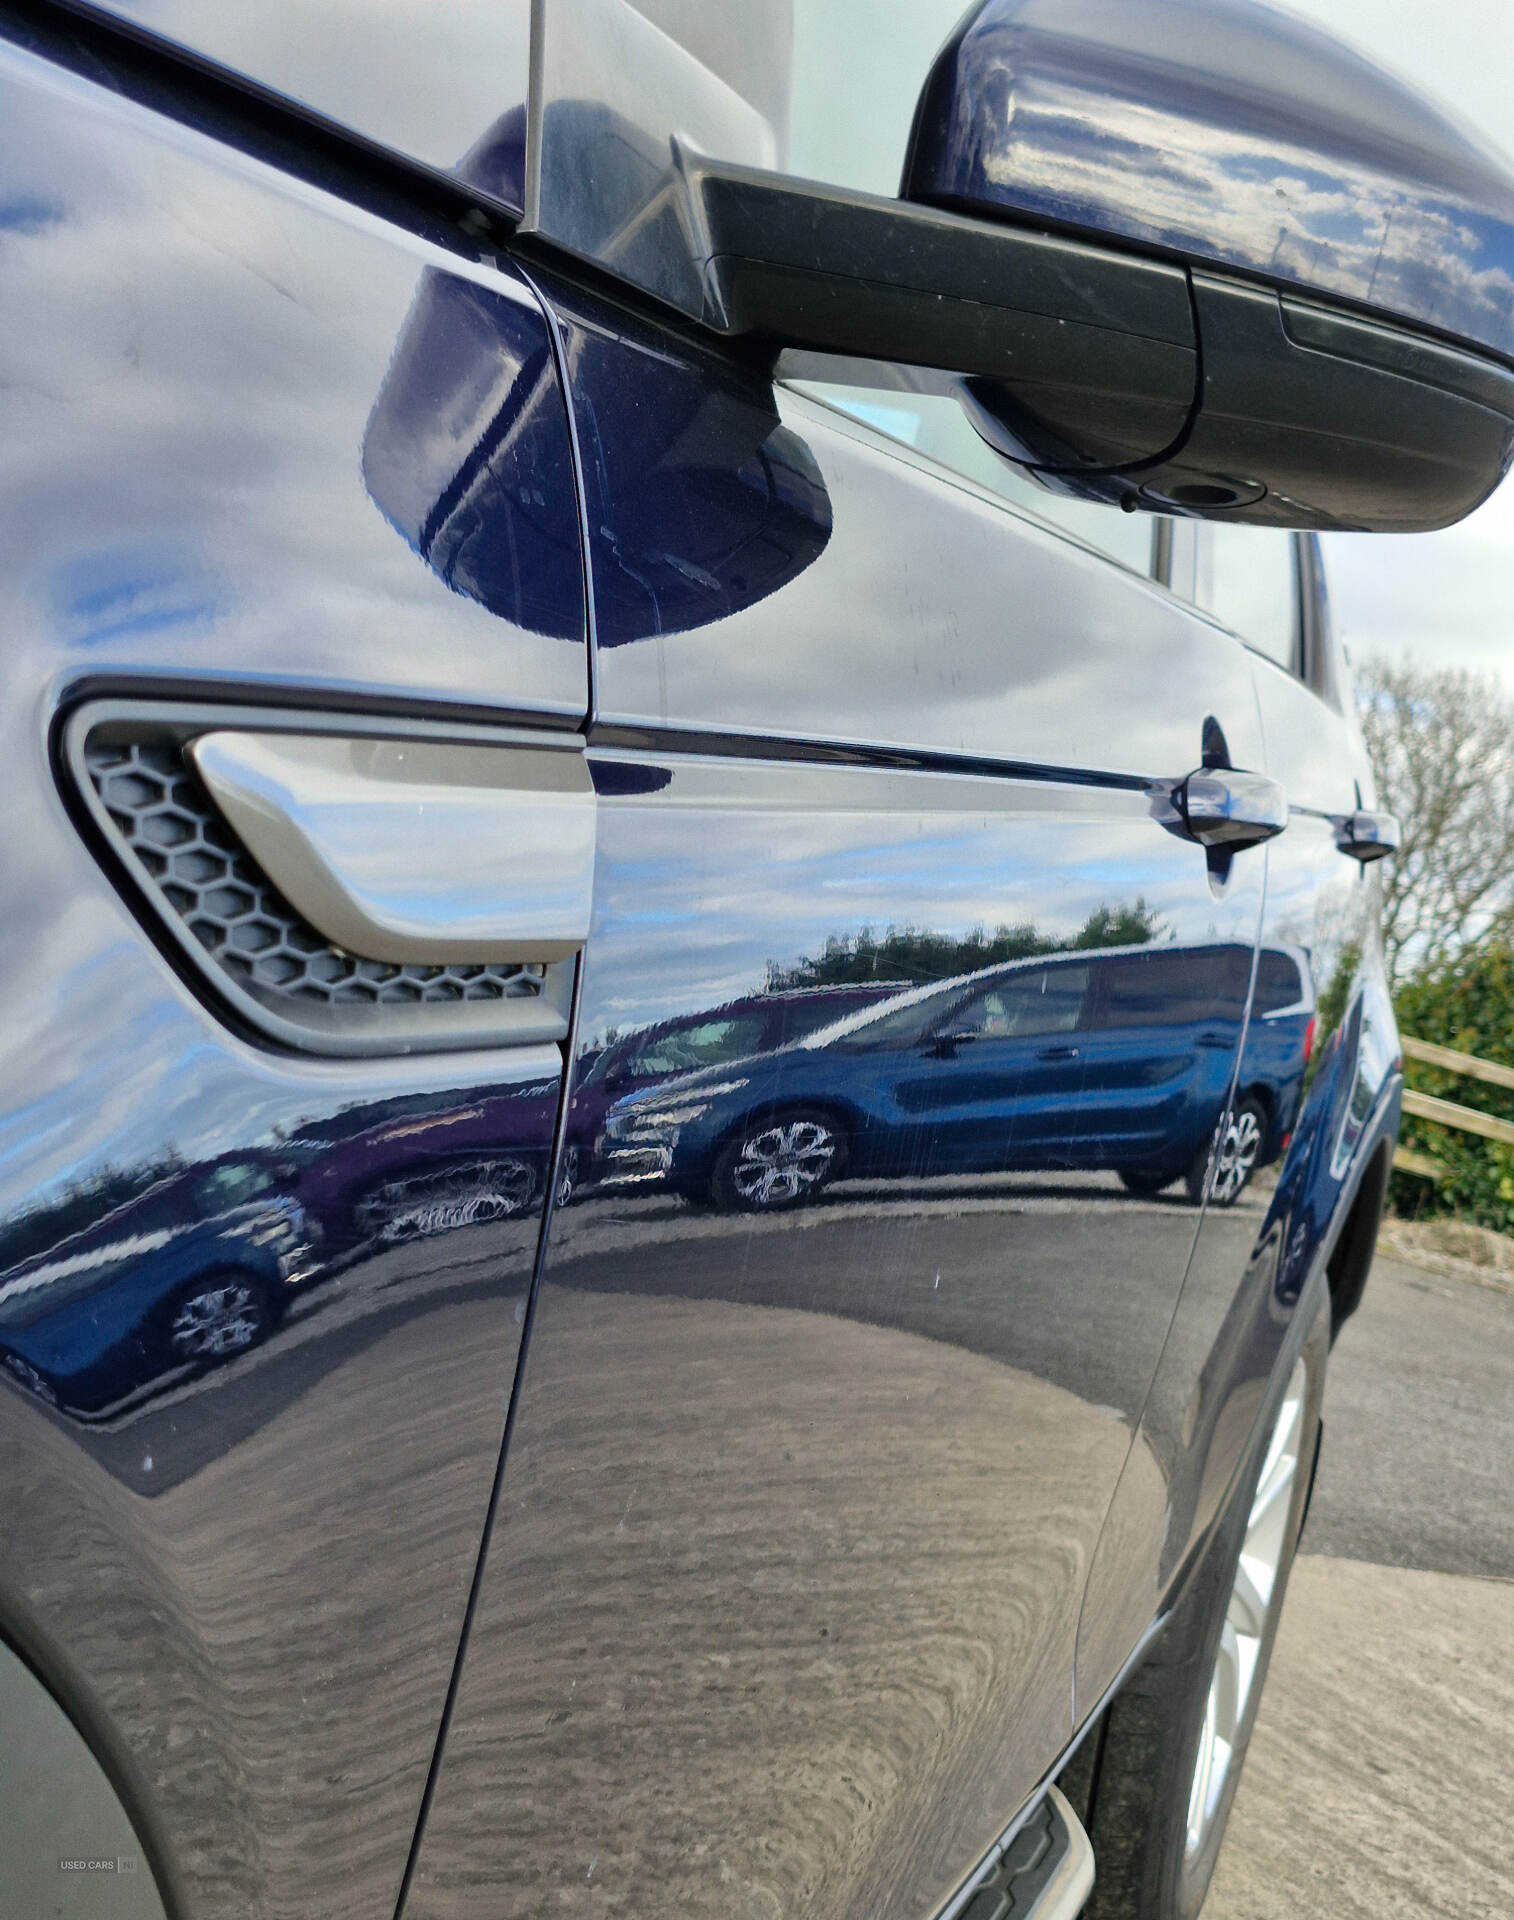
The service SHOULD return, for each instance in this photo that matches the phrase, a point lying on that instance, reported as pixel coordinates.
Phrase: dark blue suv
(645, 604)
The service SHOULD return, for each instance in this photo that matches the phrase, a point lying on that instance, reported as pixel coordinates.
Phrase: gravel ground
(1378, 1779)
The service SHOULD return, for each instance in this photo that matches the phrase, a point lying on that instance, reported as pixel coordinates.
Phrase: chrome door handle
(1058, 1053)
(1367, 836)
(1220, 807)
(415, 851)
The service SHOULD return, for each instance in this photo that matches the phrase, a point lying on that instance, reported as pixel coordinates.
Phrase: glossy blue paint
(732, 1448)
(700, 501)
(488, 502)
(1232, 135)
(868, 742)
(817, 789)
(244, 1561)
(1117, 1059)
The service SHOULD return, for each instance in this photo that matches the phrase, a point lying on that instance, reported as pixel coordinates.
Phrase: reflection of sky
(971, 627)
(191, 353)
(423, 77)
(1260, 202)
(695, 905)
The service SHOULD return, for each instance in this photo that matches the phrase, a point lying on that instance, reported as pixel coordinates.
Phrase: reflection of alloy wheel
(567, 1177)
(1233, 1152)
(1176, 1736)
(779, 1162)
(221, 1315)
(439, 1199)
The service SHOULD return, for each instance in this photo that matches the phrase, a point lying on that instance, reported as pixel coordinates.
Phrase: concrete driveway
(1379, 1780)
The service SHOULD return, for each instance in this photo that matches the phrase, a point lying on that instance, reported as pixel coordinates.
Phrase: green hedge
(1468, 1004)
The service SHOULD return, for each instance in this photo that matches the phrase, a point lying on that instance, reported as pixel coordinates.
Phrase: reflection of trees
(915, 955)
(1442, 749)
(80, 1205)
(1330, 1007)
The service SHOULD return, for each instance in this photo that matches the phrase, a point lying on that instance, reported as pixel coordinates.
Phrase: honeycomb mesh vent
(207, 877)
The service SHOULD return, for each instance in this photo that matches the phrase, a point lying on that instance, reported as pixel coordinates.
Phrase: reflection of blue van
(1116, 1059)
(757, 1023)
(192, 1271)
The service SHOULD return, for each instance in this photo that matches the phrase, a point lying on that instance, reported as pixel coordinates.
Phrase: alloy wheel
(1248, 1617)
(783, 1162)
(1239, 1149)
(216, 1322)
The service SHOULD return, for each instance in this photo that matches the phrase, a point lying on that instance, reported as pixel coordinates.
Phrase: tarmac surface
(1378, 1782)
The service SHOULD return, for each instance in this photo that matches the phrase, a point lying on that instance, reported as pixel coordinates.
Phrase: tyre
(778, 1161)
(1176, 1736)
(1234, 1152)
(1146, 1181)
(217, 1315)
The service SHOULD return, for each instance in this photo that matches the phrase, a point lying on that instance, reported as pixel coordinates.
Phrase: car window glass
(705, 1045)
(935, 425)
(1170, 989)
(1049, 1000)
(895, 1028)
(1278, 982)
(232, 1185)
(1247, 578)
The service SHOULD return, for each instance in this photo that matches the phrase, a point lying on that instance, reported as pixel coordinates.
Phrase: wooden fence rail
(1447, 1113)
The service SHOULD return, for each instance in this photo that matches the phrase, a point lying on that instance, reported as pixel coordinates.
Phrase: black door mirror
(1191, 257)
(1347, 252)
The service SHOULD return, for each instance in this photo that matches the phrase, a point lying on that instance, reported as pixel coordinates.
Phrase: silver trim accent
(1367, 836)
(968, 1887)
(415, 851)
(1068, 1892)
(1225, 808)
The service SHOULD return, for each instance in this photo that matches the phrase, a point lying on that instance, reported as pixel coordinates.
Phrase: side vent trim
(409, 850)
(327, 986)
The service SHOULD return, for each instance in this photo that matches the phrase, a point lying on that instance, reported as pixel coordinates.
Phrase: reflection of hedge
(916, 954)
(1468, 1004)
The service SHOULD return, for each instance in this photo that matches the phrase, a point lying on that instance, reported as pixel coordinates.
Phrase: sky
(1446, 599)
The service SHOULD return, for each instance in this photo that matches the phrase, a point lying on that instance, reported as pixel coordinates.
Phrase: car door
(994, 1083)
(781, 1595)
(1312, 1089)
(1158, 1052)
(269, 1201)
